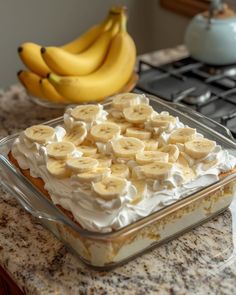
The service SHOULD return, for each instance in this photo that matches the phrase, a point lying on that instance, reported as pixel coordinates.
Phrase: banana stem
(118, 10)
(123, 22)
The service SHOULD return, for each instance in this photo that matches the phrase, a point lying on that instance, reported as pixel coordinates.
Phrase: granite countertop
(202, 261)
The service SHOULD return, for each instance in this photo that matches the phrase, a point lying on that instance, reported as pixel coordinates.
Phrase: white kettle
(211, 36)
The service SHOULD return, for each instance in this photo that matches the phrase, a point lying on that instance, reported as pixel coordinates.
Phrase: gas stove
(207, 89)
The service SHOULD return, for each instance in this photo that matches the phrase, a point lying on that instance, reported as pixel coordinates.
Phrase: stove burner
(207, 89)
(193, 95)
(198, 98)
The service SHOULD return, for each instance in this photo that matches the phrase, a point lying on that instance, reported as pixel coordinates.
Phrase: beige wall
(55, 22)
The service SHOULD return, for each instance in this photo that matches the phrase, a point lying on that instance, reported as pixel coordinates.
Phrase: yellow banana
(31, 56)
(50, 93)
(65, 63)
(108, 79)
(85, 40)
(31, 82)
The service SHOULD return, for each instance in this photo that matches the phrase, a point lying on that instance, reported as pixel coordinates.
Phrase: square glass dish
(106, 250)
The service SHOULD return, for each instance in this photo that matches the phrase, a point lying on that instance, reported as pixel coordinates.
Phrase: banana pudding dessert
(106, 168)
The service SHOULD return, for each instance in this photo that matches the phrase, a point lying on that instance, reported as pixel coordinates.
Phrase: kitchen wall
(58, 21)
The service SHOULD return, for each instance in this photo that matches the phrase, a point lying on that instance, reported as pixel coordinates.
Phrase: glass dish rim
(144, 221)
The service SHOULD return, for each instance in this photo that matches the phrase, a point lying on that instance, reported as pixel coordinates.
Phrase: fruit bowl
(47, 104)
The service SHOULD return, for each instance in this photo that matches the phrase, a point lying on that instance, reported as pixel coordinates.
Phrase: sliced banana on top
(110, 187)
(157, 170)
(60, 150)
(82, 164)
(116, 114)
(95, 175)
(199, 147)
(58, 168)
(138, 113)
(127, 147)
(182, 160)
(87, 150)
(124, 100)
(188, 174)
(120, 170)
(146, 157)
(122, 123)
(151, 145)
(104, 132)
(172, 150)
(141, 188)
(138, 133)
(39, 133)
(85, 113)
(76, 135)
(162, 120)
(103, 161)
(182, 135)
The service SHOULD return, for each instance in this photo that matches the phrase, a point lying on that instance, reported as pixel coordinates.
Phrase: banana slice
(76, 135)
(151, 145)
(116, 114)
(104, 132)
(141, 188)
(120, 170)
(124, 100)
(162, 120)
(157, 170)
(103, 161)
(172, 150)
(87, 150)
(58, 168)
(182, 160)
(199, 148)
(182, 135)
(82, 164)
(60, 150)
(127, 147)
(93, 176)
(86, 113)
(147, 157)
(138, 113)
(138, 133)
(39, 133)
(122, 123)
(110, 187)
(188, 174)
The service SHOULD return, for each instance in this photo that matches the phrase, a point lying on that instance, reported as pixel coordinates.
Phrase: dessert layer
(110, 168)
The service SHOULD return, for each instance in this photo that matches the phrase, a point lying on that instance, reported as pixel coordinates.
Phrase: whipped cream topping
(139, 99)
(163, 133)
(215, 162)
(96, 214)
(70, 122)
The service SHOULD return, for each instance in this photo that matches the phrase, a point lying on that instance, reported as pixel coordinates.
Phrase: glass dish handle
(199, 117)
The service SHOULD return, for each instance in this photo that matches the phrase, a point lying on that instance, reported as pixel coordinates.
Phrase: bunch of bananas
(96, 65)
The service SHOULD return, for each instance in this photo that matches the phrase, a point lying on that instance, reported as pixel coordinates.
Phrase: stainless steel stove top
(209, 90)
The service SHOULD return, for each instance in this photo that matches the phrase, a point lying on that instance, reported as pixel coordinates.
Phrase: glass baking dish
(107, 250)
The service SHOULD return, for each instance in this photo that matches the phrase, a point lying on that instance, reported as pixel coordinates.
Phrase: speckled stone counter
(202, 261)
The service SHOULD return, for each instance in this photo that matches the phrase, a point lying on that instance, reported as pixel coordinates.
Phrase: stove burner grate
(209, 90)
